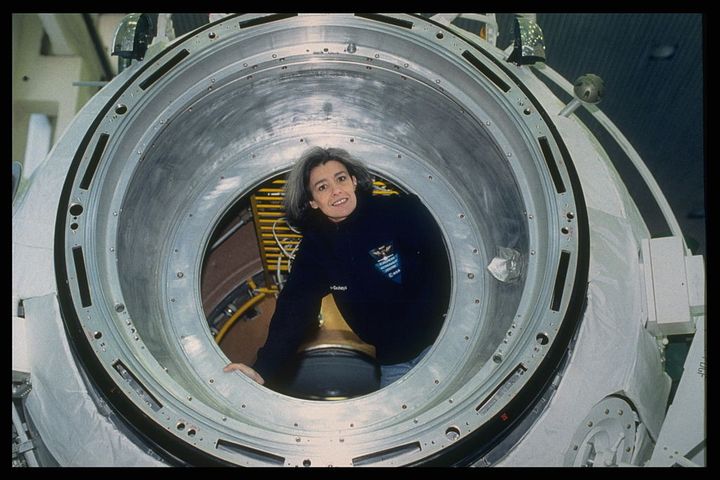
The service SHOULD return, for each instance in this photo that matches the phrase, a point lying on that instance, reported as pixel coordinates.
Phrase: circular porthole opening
(246, 264)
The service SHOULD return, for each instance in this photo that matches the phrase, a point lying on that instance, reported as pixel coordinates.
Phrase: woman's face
(333, 190)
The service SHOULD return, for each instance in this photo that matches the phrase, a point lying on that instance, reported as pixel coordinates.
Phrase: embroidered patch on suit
(387, 262)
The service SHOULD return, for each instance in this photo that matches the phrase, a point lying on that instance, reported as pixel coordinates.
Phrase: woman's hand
(241, 367)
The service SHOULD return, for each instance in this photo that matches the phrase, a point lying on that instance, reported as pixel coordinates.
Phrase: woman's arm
(296, 310)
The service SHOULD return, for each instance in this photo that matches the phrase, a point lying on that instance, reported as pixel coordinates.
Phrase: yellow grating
(268, 215)
(268, 210)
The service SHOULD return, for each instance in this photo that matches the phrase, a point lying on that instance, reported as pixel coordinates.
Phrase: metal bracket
(131, 39)
(683, 435)
(22, 443)
(674, 286)
(529, 46)
(21, 385)
(606, 437)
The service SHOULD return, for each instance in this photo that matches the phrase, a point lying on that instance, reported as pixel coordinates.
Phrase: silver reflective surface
(234, 105)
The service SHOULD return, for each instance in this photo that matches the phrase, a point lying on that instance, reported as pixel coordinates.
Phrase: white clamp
(674, 286)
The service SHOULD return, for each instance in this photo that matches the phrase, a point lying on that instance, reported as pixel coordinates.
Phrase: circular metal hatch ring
(232, 105)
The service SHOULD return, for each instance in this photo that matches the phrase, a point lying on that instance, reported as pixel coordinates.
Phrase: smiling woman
(239, 299)
(311, 183)
(333, 190)
(358, 247)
